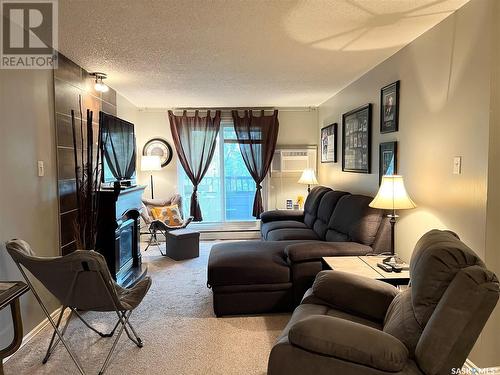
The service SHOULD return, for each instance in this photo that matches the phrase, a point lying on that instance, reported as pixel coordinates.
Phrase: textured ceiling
(239, 52)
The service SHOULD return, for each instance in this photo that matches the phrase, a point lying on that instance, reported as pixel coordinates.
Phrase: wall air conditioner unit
(293, 160)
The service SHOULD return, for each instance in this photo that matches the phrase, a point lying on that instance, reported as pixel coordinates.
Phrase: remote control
(385, 267)
(396, 268)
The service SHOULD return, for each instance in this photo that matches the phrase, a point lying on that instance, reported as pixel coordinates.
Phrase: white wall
(487, 348)
(298, 127)
(28, 203)
(154, 124)
(444, 112)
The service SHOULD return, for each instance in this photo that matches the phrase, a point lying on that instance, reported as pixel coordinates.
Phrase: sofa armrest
(278, 215)
(356, 294)
(349, 341)
(303, 252)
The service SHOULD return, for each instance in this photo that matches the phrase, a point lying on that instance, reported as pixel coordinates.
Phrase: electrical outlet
(457, 165)
(41, 168)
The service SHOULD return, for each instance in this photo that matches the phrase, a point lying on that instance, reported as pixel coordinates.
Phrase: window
(227, 191)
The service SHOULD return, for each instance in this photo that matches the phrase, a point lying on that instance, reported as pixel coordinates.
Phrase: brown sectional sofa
(273, 274)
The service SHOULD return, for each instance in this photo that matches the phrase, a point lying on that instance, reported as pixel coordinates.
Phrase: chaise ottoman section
(249, 277)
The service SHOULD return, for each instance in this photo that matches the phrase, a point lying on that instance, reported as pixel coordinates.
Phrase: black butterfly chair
(156, 227)
(81, 282)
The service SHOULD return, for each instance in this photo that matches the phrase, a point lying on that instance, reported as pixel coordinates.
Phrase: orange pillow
(170, 215)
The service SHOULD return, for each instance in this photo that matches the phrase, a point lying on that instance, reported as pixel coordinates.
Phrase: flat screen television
(118, 149)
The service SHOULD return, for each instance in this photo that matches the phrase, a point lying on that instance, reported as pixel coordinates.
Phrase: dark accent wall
(72, 82)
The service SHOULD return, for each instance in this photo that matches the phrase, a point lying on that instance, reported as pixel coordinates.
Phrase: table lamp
(150, 164)
(392, 196)
(308, 178)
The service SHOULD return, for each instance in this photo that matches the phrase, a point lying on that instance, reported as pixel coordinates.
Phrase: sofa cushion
(354, 220)
(312, 204)
(287, 234)
(248, 262)
(325, 210)
(272, 225)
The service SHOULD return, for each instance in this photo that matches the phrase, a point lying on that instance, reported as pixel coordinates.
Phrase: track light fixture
(99, 85)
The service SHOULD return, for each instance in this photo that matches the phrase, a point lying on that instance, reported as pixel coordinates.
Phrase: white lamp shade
(392, 195)
(101, 87)
(150, 163)
(308, 177)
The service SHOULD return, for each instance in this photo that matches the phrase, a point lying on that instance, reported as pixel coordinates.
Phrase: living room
(257, 160)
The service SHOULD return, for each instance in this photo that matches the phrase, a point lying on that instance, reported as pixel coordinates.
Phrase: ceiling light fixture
(99, 85)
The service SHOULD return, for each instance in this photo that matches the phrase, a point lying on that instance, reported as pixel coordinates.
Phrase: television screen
(118, 148)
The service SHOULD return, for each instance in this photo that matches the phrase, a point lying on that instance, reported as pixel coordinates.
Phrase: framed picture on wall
(389, 108)
(329, 144)
(357, 139)
(388, 160)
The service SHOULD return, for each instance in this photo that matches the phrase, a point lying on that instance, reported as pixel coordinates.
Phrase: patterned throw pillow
(170, 215)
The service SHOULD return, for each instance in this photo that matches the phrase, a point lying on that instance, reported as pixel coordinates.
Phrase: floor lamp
(308, 178)
(150, 164)
(392, 196)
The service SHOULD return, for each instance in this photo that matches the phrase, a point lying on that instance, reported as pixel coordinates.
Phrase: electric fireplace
(118, 233)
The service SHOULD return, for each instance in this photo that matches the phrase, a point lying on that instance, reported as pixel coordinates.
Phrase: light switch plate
(457, 165)
(41, 168)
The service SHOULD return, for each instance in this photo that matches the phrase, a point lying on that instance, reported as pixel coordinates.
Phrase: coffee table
(366, 266)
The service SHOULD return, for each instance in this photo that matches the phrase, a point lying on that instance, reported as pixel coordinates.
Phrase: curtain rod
(281, 109)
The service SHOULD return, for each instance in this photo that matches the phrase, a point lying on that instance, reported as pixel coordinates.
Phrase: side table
(366, 266)
(9, 295)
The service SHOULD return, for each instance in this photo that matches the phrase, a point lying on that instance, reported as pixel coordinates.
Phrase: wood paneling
(72, 85)
(68, 227)
(65, 163)
(67, 195)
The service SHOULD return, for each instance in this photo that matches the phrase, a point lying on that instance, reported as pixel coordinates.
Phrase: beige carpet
(176, 322)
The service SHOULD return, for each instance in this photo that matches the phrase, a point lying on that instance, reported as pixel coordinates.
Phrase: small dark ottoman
(249, 277)
(183, 244)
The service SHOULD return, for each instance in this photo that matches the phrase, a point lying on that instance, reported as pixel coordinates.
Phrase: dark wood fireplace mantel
(118, 235)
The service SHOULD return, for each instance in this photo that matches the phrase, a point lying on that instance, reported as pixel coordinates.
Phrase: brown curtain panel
(195, 139)
(257, 136)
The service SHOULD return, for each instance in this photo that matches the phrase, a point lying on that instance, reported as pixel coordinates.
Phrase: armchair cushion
(170, 215)
(349, 341)
(148, 203)
(306, 251)
(355, 294)
(158, 225)
(278, 215)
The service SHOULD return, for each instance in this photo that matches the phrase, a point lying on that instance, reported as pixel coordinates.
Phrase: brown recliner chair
(351, 325)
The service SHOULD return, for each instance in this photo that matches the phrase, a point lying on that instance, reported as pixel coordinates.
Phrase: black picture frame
(389, 108)
(161, 148)
(326, 142)
(388, 159)
(357, 140)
